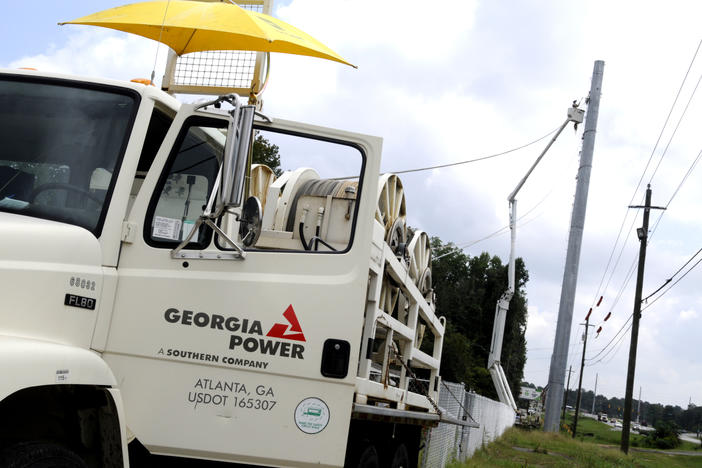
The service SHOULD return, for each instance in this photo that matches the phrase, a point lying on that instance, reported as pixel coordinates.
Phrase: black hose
(316, 239)
(302, 236)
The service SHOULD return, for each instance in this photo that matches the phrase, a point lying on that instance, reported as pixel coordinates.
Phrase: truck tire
(400, 457)
(368, 458)
(39, 455)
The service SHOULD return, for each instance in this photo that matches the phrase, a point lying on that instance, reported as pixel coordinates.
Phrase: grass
(520, 448)
(590, 430)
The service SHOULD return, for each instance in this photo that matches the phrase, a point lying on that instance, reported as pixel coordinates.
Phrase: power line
(677, 189)
(631, 269)
(504, 229)
(673, 276)
(464, 245)
(650, 158)
(671, 286)
(607, 346)
(615, 348)
(675, 130)
(482, 158)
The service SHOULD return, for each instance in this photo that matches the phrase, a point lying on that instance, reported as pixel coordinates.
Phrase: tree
(467, 290)
(265, 152)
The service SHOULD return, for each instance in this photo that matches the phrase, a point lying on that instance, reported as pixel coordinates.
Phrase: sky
(472, 78)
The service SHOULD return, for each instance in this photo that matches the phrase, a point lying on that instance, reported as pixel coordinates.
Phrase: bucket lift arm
(498, 330)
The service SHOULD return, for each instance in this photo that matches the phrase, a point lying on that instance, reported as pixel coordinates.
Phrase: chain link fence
(449, 442)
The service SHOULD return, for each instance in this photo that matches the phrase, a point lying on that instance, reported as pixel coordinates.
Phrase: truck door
(254, 359)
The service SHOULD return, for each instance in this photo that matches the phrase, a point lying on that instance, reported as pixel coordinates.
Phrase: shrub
(664, 437)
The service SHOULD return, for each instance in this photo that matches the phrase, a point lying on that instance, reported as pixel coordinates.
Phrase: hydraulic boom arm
(498, 374)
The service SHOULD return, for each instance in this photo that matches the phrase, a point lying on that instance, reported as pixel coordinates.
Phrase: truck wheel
(368, 458)
(39, 455)
(400, 457)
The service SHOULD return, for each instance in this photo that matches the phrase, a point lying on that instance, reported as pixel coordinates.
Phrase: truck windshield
(60, 143)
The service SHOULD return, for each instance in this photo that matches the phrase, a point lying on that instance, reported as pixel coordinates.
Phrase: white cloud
(100, 53)
(408, 28)
(688, 314)
(470, 78)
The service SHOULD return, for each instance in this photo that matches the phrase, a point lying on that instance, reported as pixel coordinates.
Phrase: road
(690, 437)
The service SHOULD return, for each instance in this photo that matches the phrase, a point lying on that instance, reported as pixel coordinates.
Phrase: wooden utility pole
(642, 233)
(565, 400)
(582, 368)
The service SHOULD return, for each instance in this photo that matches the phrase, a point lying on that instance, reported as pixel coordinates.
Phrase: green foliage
(265, 152)
(664, 437)
(467, 290)
(518, 449)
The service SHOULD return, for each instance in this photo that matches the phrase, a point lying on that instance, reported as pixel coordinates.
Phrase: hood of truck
(51, 278)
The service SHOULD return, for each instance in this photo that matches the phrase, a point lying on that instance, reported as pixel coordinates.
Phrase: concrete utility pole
(582, 368)
(559, 357)
(642, 233)
(565, 400)
(638, 412)
(594, 397)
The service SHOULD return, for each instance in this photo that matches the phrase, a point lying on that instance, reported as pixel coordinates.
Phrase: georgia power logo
(256, 342)
(311, 415)
(280, 330)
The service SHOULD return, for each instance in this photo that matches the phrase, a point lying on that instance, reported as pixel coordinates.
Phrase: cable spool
(420, 263)
(338, 189)
(391, 212)
(262, 177)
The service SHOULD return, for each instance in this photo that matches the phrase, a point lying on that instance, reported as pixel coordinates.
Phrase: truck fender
(31, 363)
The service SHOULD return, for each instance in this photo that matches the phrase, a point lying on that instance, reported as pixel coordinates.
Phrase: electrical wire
(671, 286)
(677, 189)
(673, 276)
(615, 348)
(482, 158)
(607, 346)
(675, 130)
(504, 229)
(631, 269)
(650, 158)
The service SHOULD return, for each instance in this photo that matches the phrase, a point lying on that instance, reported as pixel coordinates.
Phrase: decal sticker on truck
(311, 415)
(216, 358)
(238, 341)
(223, 393)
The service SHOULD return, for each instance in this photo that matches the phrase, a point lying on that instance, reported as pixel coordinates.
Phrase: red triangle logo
(280, 330)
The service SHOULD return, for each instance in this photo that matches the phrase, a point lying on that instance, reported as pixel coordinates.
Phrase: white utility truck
(164, 300)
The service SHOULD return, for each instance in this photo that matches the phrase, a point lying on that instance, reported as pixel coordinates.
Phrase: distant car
(617, 424)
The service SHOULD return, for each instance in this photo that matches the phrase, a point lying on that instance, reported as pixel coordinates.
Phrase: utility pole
(642, 233)
(582, 368)
(559, 358)
(638, 412)
(594, 397)
(565, 400)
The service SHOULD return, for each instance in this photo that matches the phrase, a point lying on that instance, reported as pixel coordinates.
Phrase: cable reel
(392, 214)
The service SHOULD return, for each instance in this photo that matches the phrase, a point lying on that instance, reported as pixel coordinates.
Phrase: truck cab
(111, 324)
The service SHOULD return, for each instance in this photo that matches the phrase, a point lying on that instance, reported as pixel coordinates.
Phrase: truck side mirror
(228, 189)
(236, 152)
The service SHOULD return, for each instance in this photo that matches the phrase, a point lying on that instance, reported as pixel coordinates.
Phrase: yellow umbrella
(192, 26)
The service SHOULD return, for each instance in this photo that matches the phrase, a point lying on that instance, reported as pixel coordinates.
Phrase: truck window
(62, 143)
(308, 189)
(186, 183)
